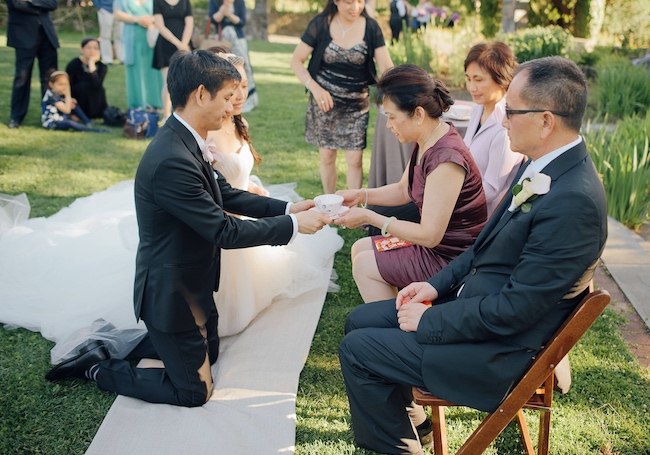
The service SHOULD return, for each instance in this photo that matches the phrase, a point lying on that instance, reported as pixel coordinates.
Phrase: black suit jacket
(183, 225)
(25, 18)
(519, 285)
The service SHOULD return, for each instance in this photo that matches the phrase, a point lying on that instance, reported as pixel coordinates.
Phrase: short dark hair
(87, 40)
(496, 58)
(409, 86)
(556, 84)
(190, 69)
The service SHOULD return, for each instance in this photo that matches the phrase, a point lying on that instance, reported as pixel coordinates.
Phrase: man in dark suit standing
(498, 303)
(31, 33)
(183, 224)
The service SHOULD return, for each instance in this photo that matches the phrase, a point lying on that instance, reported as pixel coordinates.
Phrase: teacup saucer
(341, 211)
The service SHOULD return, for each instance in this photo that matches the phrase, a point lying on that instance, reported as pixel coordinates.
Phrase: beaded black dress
(343, 74)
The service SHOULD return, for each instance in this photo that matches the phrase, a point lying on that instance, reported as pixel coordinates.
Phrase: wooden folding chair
(526, 394)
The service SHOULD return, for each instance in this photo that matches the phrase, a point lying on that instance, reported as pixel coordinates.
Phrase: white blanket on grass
(252, 409)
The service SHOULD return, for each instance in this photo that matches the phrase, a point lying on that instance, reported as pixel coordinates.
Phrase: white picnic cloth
(252, 409)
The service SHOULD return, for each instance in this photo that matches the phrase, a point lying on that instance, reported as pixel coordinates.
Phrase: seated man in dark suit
(496, 305)
(183, 220)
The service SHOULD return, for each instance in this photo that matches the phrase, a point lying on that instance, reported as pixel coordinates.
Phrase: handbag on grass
(113, 116)
(213, 41)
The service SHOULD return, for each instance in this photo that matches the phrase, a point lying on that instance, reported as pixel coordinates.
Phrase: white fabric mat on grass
(252, 410)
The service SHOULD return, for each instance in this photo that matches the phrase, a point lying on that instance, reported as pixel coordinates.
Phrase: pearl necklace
(343, 30)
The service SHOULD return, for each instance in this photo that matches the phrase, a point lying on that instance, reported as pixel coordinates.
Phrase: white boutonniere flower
(528, 190)
(210, 153)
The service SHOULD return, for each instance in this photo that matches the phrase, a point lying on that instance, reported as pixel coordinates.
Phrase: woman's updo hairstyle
(409, 86)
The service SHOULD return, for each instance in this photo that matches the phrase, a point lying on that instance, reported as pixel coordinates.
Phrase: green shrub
(412, 48)
(622, 159)
(572, 15)
(622, 89)
(439, 50)
(490, 13)
(539, 42)
(628, 21)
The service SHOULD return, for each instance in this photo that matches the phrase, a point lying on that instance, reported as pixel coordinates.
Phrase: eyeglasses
(510, 112)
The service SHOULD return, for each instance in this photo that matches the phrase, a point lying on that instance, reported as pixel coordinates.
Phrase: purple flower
(442, 13)
(455, 18)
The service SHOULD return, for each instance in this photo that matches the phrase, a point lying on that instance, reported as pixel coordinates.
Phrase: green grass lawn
(607, 404)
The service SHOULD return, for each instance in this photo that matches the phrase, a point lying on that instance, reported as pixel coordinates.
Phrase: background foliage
(622, 158)
(537, 42)
(622, 89)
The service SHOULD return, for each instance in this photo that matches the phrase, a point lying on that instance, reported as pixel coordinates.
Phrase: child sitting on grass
(60, 111)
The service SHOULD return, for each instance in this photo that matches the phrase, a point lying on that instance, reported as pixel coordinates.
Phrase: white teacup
(329, 204)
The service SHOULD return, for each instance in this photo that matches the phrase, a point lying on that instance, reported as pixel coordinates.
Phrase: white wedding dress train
(60, 274)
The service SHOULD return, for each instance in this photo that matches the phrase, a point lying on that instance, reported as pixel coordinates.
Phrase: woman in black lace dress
(344, 44)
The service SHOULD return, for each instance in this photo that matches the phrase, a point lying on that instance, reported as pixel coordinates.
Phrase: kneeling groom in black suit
(497, 304)
(183, 224)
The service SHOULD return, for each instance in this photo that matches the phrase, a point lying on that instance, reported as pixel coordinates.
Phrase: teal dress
(143, 82)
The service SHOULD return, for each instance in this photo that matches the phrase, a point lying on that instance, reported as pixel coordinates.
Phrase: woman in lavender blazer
(488, 71)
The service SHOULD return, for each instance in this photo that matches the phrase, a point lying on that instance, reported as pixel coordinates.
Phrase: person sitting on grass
(60, 111)
(87, 74)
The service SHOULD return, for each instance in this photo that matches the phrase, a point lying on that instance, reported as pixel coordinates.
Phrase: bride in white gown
(61, 273)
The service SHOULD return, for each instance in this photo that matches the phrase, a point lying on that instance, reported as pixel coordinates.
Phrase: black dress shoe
(13, 124)
(76, 367)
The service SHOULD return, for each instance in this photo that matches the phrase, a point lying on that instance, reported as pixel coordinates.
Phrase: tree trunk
(508, 16)
(256, 25)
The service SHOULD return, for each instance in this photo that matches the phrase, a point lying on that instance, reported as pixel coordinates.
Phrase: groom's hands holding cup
(309, 221)
(301, 206)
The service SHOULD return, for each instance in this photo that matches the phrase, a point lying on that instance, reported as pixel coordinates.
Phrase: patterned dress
(403, 266)
(50, 115)
(342, 75)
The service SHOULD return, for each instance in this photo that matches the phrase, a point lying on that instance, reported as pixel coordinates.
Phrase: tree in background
(629, 22)
(259, 20)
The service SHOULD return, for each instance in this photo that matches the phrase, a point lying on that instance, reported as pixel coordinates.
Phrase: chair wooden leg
(545, 417)
(439, 430)
(525, 434)
(544, 433)
(487, 431)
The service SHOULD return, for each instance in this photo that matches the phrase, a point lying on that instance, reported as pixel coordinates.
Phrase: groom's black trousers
(183, 380)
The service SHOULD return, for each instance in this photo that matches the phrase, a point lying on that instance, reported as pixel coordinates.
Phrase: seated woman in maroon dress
(441, 179)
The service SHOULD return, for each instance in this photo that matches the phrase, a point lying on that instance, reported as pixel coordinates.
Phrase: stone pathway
(627, 260)
(635, 332)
